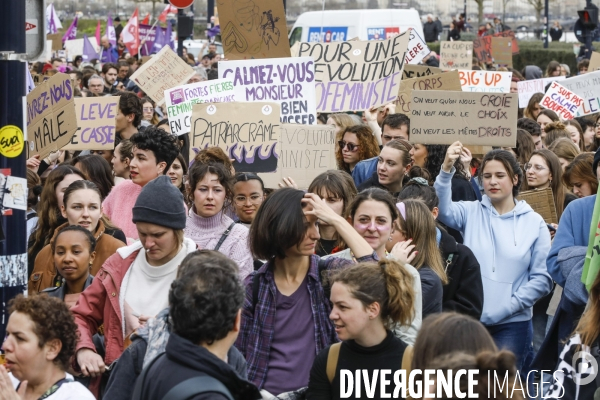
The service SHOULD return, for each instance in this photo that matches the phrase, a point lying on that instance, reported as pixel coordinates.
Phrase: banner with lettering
(562, 101)
(485, 81)
(96, 118)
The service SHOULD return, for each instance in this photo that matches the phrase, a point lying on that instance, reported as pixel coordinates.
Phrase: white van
(341, 25)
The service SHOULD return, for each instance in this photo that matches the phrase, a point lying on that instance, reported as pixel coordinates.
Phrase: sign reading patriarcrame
(357, 75)
(488, 119)
(180, 99)
(287, 81)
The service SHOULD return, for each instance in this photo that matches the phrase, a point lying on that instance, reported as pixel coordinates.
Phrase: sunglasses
(351, 146)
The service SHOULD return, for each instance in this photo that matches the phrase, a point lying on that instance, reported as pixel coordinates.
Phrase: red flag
(98, 33)
(169, 9)
(131, 34)
(146, 20)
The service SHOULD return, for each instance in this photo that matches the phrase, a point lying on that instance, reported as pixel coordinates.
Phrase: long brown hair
(48, 211)
(577, 126)
(535, 99)
(558, 189)
(419, 225)
(564, 148)
(581, 169)
(554, 131)
(387, 283)
(367, 145)
(525, 146)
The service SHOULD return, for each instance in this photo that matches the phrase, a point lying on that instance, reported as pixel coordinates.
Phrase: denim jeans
(516, 337)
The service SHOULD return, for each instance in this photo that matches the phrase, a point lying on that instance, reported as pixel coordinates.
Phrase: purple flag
(71, 32)
(53, 22)
(110, 31)
(160, 40)
(89, 52)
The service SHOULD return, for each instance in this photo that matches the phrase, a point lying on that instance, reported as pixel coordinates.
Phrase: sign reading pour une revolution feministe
(179, 101)
(287, 81)
(357, 75)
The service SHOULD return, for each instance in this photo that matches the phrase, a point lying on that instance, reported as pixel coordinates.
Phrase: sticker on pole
(11, 141)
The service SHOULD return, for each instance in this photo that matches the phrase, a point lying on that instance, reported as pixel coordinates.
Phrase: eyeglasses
(148, 109)
(536, 167)
(351, 146)
(241, 200)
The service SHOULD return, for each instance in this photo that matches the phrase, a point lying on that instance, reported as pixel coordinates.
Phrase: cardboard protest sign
(511, 35)
(594, 62)
(253, 29)
(51, 120)
(287, 81)
(357, 75)
(56, 39)
(417, 48)
(542, 202)
(588, 87)
(529, 88)
(502, 51)
(485, 81)
(180, 99)
(445, 81)
(247, 132)
(562, 101)
(96, 118)
(482, 48)
(415, 71)
(485, 119)
(305, 151)
(163, 71)
(456, 55)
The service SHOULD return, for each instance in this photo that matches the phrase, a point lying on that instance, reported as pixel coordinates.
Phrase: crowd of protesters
(153, 273)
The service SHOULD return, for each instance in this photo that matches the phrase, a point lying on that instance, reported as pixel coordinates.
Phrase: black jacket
(431, 291)
(430, 31)
(373, 181)
(59, 292)
(185, 360)
(464, 291)
(454, 34)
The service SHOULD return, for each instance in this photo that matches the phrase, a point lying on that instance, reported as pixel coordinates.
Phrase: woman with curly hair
(40, 341)
(357, 144)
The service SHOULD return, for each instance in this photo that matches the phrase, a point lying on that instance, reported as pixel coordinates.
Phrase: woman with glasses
(148, 113)
(210, 192)
(357, 144)
(248, 195)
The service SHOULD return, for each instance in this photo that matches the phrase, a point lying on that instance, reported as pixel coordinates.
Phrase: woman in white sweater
(210, 192)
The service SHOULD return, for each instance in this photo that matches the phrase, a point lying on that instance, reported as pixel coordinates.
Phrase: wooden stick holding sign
(96, 118)
(247, 132)
(486, 119)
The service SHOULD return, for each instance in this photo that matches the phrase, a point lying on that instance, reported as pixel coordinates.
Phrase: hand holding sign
(452, 154)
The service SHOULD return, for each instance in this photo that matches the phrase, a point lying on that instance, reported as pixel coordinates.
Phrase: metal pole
(13, 242)
(180, 38)
(546, 24)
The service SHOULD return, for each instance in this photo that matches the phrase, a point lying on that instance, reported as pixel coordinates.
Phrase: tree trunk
(538, 16)
(480, 11)
(504, 11)
(154, 10)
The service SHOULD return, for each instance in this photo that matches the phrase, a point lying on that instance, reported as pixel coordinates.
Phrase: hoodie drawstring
(515, 227)
(493, 244)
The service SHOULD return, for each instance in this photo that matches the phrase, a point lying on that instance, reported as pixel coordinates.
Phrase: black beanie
(596, 161)
(160, 203)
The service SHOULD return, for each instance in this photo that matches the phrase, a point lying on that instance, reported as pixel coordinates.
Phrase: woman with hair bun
(366, 299)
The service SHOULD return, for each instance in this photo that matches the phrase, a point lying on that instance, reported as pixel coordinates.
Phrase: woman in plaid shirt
(285, 318)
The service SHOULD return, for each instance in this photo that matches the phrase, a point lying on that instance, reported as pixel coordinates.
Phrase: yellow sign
(11, 141)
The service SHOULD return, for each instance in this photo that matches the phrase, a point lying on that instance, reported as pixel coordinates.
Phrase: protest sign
(253, 29)
(456, 55)
(562, 101)
(149, 32)
(502, 51)
(163, 71)
(588, 87)
(247, 132)
(485, 81)
(482, 48)
(357, 75)
(594, 62)
(417, 48)
(56, 38)
(96, 117)
(529, 88)
(305, 151)
(542, 202)
(485, 119)
(511, 35)
(179, 101)
(415, 71)
(288, 81)
(445, 81)
(51, 120)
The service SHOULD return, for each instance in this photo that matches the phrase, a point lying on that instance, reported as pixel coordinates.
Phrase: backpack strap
(255, 289)
(195, 386)
(332, 360)
(224, 236)
(407, 359)
(140, 382)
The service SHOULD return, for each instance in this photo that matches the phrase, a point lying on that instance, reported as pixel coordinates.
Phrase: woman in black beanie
(133, 284)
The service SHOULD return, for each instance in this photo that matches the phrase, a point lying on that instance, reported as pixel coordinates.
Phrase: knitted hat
(596, 161)
(160, 203)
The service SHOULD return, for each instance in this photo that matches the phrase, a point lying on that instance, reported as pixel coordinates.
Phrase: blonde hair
(344, 121)
(564, 148)
(554, 131)
(387, 283)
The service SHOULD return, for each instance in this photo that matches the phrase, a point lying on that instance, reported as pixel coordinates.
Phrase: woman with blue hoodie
(511, 243)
